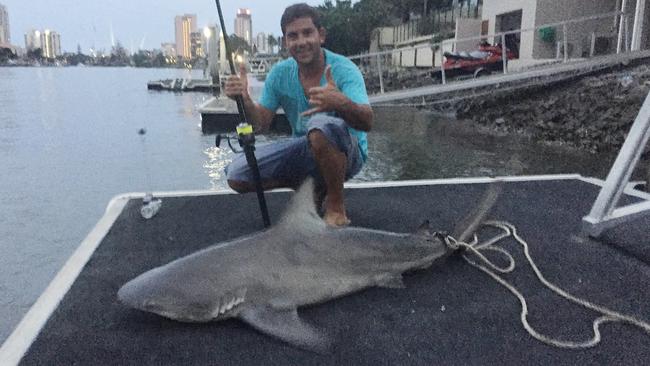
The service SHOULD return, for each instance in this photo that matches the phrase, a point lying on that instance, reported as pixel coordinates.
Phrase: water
(69, 142)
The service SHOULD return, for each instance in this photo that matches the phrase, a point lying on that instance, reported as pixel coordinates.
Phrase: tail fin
(468, 226)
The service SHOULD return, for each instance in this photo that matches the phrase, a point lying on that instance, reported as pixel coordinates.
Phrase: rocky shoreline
(592, 113)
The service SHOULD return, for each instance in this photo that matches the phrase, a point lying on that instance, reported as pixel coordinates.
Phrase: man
(324, 99)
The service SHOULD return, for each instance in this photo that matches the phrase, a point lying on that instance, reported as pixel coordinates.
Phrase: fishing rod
(245, 130)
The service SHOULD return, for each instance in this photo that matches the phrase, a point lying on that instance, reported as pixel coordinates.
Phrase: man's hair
(296, 11)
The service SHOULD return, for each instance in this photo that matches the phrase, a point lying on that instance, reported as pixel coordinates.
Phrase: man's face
(303, 40)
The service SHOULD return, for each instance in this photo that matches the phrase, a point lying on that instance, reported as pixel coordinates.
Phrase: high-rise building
(262, 43)
(244, 25)
(50, 43)
(33, 40)
(185, 26)
(211, 40)
(196, 44)
(5, 37)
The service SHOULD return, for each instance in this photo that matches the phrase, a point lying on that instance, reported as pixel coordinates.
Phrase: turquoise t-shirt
(283, 88)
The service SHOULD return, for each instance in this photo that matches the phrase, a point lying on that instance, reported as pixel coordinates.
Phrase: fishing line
(487, 266)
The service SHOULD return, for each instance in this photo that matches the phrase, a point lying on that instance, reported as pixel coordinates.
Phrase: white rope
(510, 230)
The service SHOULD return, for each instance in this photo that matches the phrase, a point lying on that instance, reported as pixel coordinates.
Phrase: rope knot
(451, 242)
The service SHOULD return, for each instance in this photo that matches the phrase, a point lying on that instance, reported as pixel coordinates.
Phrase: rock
(593, 113)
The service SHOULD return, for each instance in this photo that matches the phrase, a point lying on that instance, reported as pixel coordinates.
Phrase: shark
(262, 279)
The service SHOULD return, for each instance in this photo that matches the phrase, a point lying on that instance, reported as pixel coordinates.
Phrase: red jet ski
(484, 61)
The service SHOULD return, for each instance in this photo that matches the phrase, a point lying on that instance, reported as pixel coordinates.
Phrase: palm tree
(272, 42)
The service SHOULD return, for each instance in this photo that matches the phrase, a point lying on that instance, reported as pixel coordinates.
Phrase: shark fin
(392, 282)
(471, 223)
(301, 212)
(287, 326)
(425, 228)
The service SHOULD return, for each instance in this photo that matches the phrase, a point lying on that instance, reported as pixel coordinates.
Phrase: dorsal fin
(300, 214)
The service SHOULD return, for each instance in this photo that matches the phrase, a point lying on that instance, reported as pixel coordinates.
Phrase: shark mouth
(224, 308)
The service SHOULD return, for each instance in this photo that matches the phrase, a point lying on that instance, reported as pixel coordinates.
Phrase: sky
(148, 23)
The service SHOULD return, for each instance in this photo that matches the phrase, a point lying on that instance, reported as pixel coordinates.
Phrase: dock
(451, 313)
(183, 85)
(220, 115)
(542, 74)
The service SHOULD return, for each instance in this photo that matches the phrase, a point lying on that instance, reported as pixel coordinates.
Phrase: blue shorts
(292, 160)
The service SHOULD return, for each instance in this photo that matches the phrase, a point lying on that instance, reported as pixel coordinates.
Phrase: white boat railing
(379, 63)
(605, 213)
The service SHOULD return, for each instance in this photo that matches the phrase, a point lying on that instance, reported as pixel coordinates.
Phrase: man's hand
(237, 85)
(326, 98)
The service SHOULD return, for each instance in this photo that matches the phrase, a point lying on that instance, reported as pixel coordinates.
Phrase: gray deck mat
(449, 314)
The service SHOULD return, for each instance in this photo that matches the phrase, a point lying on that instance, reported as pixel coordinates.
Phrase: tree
(77, 58)
(6, 54)
(238, 44)
(159, 60)
(35, 54)
(272, 42)
(339, 21)
(119, 56)
(142, 59)
(349, 27)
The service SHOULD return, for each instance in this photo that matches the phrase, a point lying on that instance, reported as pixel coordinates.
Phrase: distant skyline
(132, 23)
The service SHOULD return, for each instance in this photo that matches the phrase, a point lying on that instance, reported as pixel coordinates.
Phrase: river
(69, 142)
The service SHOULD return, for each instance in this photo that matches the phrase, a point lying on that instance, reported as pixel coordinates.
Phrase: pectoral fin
(287, 326)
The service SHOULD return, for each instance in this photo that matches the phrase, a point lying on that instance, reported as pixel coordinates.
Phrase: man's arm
(358, 116)
(329, 98)
(258, 116)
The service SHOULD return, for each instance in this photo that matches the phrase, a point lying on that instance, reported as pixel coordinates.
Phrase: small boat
(183, 85)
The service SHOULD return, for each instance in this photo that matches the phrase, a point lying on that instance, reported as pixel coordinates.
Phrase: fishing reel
(245, 137)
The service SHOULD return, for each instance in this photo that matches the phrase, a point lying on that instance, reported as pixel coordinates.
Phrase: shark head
(147, 293)
(155, 292)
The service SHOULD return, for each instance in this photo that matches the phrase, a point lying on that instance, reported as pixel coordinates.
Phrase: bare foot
(336, 219)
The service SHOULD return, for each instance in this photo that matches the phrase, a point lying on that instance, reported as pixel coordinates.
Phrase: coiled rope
(485, 265)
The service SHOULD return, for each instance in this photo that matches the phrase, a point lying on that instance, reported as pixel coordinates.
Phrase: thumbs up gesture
(325, 98)
(237, 85)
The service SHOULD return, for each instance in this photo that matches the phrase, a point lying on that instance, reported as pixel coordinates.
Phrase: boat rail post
(604, 213)
(621, 27)
(565, 40)
(637, 26)
(592, 48)
(627, 33)
(504, 53)
(442, 63)
(381, 74)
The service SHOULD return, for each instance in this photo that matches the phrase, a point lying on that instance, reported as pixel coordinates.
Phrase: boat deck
(451, 313)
